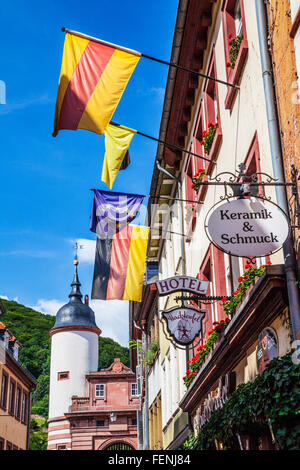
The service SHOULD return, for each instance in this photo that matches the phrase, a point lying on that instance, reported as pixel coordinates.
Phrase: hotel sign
(248, 228)
(182, 283)
(184, 323)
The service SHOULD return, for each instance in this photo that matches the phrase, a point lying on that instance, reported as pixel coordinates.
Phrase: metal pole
(277, 161)
(131, 51)
(176, 147)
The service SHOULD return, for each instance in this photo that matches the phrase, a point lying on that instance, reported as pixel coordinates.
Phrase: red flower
(269, 263)
(228, 64)
(218, 328)
(227, 319)
(188, 362)
(216, 323)
(240, 279)
(202, 142)
(247, 266)
(230, 36)
(224, 299)
(230, 42)
(193, 186)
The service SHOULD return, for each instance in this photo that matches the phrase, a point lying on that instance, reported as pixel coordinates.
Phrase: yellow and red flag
(92, 80)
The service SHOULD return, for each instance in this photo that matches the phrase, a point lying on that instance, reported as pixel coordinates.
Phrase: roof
(75, 312)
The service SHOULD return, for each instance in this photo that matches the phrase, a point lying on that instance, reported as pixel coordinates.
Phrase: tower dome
(75, 312)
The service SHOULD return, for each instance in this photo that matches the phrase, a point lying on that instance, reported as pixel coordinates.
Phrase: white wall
(77, 353)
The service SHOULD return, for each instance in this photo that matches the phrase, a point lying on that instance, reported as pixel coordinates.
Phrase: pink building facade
(106, 419)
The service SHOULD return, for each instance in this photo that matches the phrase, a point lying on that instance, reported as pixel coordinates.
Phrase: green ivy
(273, 398)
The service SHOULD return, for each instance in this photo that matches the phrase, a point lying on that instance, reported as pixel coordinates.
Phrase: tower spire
(75, 294)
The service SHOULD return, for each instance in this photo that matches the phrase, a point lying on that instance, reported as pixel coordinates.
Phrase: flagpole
(140, 54)
(175, 199)
(100, 41)
(157, 197)
(165, 143)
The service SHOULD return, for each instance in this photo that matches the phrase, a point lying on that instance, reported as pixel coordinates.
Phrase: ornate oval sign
(248, 227)
(184, 323)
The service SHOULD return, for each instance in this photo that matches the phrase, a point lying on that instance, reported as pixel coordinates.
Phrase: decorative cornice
(61, 329)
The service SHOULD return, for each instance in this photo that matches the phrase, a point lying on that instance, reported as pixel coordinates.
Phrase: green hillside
(31, 328)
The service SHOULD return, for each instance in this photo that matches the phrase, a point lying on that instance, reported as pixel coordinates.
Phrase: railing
(79, 403)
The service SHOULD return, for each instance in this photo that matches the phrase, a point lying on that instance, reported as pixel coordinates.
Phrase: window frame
(211, 90)
(136, 389)
(228, 23)
(4, 389)
(24, 408)
(12, 396)
(100, 396)
(60, 375)
(18, 402)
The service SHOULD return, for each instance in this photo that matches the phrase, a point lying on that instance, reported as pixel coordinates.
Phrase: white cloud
(111, 316)
(48, 307)
(86, 250)
(10, 107)
(4, 297)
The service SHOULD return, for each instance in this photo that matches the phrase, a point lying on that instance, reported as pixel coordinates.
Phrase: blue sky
(45, 199)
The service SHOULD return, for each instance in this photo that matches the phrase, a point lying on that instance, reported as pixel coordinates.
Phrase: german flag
(92, 80)
(120, 265)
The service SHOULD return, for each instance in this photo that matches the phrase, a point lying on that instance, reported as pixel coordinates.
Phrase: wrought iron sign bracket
(201, 298)
(244, 185)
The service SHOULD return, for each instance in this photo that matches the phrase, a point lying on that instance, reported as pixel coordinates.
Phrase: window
(4, 385)
(8, 445)
(12, 392)
(134, 389)
(100, 423)
(238, 19)
(62, 447)
(18, 402)
(99, 390)
(24, 408)
(1, 443)
(63, 375)
(234, 26)
(133, 422)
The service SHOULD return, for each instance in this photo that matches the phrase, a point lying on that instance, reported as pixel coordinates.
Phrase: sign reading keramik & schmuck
(248, 227)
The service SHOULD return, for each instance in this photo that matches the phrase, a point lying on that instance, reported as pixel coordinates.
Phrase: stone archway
(118, 444)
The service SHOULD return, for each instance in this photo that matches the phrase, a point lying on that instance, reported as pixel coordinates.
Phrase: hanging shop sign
(181, 283)
(248, 227)
(267, 348)
(184, 323)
